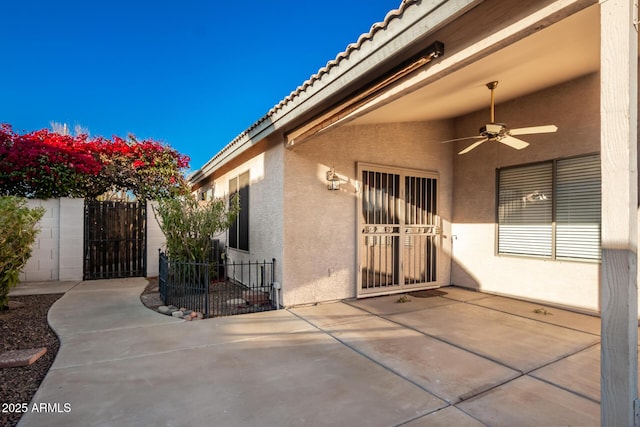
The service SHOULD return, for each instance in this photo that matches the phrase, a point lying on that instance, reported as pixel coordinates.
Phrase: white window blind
(578, 209)
(551, 209)
(525, 210)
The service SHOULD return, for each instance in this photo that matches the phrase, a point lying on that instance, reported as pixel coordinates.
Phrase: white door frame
(389, 235)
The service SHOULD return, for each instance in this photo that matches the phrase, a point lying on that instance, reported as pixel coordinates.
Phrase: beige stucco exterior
(574, 108)
(392, 96)
(315, 232)
(266, 215)
(321, 229)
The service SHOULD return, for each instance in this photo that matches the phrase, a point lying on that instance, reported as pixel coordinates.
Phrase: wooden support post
(619, 293)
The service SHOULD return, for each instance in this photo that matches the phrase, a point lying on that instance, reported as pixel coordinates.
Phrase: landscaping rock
(15, 304)
(153, 299)
(256, 298)
(163, 309)
(236, 302)
(13, 358)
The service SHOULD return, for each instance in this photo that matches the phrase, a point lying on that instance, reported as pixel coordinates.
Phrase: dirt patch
(150, 297)
(24, 326)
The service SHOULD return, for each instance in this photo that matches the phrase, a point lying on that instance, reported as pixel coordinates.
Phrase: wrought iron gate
(399, 230)
(115, 243)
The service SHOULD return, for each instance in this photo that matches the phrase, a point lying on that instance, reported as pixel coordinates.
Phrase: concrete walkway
(464, 358)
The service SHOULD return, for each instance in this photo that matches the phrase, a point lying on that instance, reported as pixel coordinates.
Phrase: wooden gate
(115, 243)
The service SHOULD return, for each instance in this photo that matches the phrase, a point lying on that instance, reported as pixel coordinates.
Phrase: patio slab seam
(532, 374)
(584, 396)
(446, 341)
(398, 374)
(355, 350)
(417, 417)
(530, 318)
(337, 323)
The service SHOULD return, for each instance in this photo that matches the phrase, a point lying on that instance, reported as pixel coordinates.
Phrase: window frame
(238, 232)
(554, 212)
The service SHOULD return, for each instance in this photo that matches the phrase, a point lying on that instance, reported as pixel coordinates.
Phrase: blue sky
(191, 73)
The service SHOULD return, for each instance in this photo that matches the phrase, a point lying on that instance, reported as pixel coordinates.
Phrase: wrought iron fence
(218, 288)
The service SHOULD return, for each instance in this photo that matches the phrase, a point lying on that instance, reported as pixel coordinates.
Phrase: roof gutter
(385, 42)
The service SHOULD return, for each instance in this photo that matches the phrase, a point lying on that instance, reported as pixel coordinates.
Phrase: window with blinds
(551, 209)
(525, 215)
(239, 230)
(578, 204)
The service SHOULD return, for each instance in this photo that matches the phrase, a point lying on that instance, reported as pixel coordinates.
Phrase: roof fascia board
(383, 43)
(413, 23)
(455, 60)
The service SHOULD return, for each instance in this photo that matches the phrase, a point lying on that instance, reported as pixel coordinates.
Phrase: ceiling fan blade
(534, 129)
(474, 145)
(512, 142)
(462, 139)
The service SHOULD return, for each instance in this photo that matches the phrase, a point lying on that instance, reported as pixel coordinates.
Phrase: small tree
(189, 225)
(18, 230)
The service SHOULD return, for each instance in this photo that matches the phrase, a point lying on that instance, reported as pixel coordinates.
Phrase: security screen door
(399, 230)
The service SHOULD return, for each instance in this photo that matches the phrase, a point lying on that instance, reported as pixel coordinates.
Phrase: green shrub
(18, 230)
(189, 225)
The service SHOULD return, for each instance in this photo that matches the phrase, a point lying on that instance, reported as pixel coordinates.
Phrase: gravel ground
(22, 328)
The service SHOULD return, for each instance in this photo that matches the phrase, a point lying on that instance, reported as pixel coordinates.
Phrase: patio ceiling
(556, 54)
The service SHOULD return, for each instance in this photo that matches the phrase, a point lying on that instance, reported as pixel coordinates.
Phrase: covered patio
(490, 360)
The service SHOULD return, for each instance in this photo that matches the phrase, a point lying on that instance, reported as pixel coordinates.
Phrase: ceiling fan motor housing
(492, 130)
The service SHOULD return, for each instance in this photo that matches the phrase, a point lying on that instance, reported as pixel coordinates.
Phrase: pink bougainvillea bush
(44, 164)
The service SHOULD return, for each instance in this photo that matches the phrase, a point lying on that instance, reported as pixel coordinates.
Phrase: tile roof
(300, 90)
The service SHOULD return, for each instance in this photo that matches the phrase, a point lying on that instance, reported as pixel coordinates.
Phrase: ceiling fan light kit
(499, 132)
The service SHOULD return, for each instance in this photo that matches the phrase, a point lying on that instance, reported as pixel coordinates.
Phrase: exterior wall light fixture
(333, 181)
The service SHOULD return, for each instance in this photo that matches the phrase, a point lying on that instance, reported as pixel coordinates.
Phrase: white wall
(58, 250)
(574, 108)
(43, 264)
(155, 241)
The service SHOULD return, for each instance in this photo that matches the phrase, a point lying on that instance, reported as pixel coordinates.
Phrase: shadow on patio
(493, 360)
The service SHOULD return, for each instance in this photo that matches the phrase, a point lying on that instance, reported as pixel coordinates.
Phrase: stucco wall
(320, 229)
(43, 264)
(265, 206)
(71, 239)
(574, 108)
(155, 241)
(58, 250)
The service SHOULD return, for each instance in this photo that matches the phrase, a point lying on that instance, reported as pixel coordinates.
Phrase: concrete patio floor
(463, 358)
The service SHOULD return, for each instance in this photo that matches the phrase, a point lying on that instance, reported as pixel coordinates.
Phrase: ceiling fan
(499, 132)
